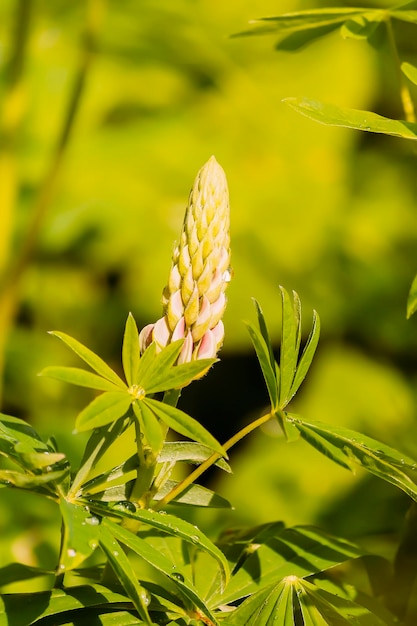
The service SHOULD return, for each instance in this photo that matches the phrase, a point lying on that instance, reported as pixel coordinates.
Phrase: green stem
(406, 100)
(212, 459)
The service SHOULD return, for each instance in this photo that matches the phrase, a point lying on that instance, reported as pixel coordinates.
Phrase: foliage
(125, 559)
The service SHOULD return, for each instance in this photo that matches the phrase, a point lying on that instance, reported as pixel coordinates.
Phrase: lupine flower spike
(194, 299)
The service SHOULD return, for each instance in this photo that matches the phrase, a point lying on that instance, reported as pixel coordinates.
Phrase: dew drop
(71, 552)
(162, 512)
(145, 597)
(178, 576)
(195, 538)
(125, 505)
(93, 521)
(115, 553)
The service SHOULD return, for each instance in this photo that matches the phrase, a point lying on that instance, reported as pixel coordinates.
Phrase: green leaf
(190, 452)
(361, 26)
(99, 442)
(352, 118)
(29, 481)
(301, 38)
(123, 471)
(19, 609)
(173, 526)
(159, 562)
(268, 371)
(194, 495)
(412, 299)
(80, 377)
(123, 569)
(272, 605)
(15, 572)
(151, 362)
(302, 20)
(405, 16)
(18, 440)
(377, 458)
(307, 355)
(288, 351)
(183, 424)
(80, 535)
(131, 351)
(179, 375)
(106, 408)
(299, 551)
(94, 361)
(410, 71)
(150, 426)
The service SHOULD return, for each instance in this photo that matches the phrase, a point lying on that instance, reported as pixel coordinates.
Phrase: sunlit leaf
(14, 572)
(412, 299)
(405, 16)
(377, 458)
(99, 442)
(307, 355)
(80, 377)
(150, 426)
(80, 535)
(288, 351)
(299, 551)
(130, 350)
(361, 26)
(29, 481)
(194, 495)
(106, 408)
(122, 471)
(123, 569)
(174, 526)
(183, 424)
(190, 452)
(180, 375)
(153, 363)
(352, 118)
(274, 604)
(94, 361)
(159, 562)
(302, 20)
(22, 609)
(263, 354)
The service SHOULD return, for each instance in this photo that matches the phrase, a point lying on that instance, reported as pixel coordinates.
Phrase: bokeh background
(108, 110)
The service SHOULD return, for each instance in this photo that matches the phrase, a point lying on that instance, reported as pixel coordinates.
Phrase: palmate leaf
(368, 121)
(80, 377)
(19, 441)
(412, 299)
(160, 563)
(130, 350)
(274, 604)
(124, 571)
(103, 410)
(194, 495)
(183, 424)
(80, 535)
(19, 609)
(300, 38)
(171, 525)
(190, 452)
(302, 20)
(299, 551)
(350, 447)
(150, 426)
(94, 361)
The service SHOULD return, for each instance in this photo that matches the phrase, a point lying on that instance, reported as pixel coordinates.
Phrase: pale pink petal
(161, 333)
(218, 333)
(207, 347)
(145, 337)
(179, 330)
(186, 350)
(217, 309)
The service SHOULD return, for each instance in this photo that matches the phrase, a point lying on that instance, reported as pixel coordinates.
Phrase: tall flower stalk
(194, 298)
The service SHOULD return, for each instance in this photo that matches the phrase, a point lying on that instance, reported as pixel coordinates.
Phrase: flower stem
(212, 459)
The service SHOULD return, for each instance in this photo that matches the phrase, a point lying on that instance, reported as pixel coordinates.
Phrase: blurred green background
(108, 110)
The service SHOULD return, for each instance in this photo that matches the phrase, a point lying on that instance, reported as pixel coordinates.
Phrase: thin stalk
(405, 96)
(11, 280)
(212, 459)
